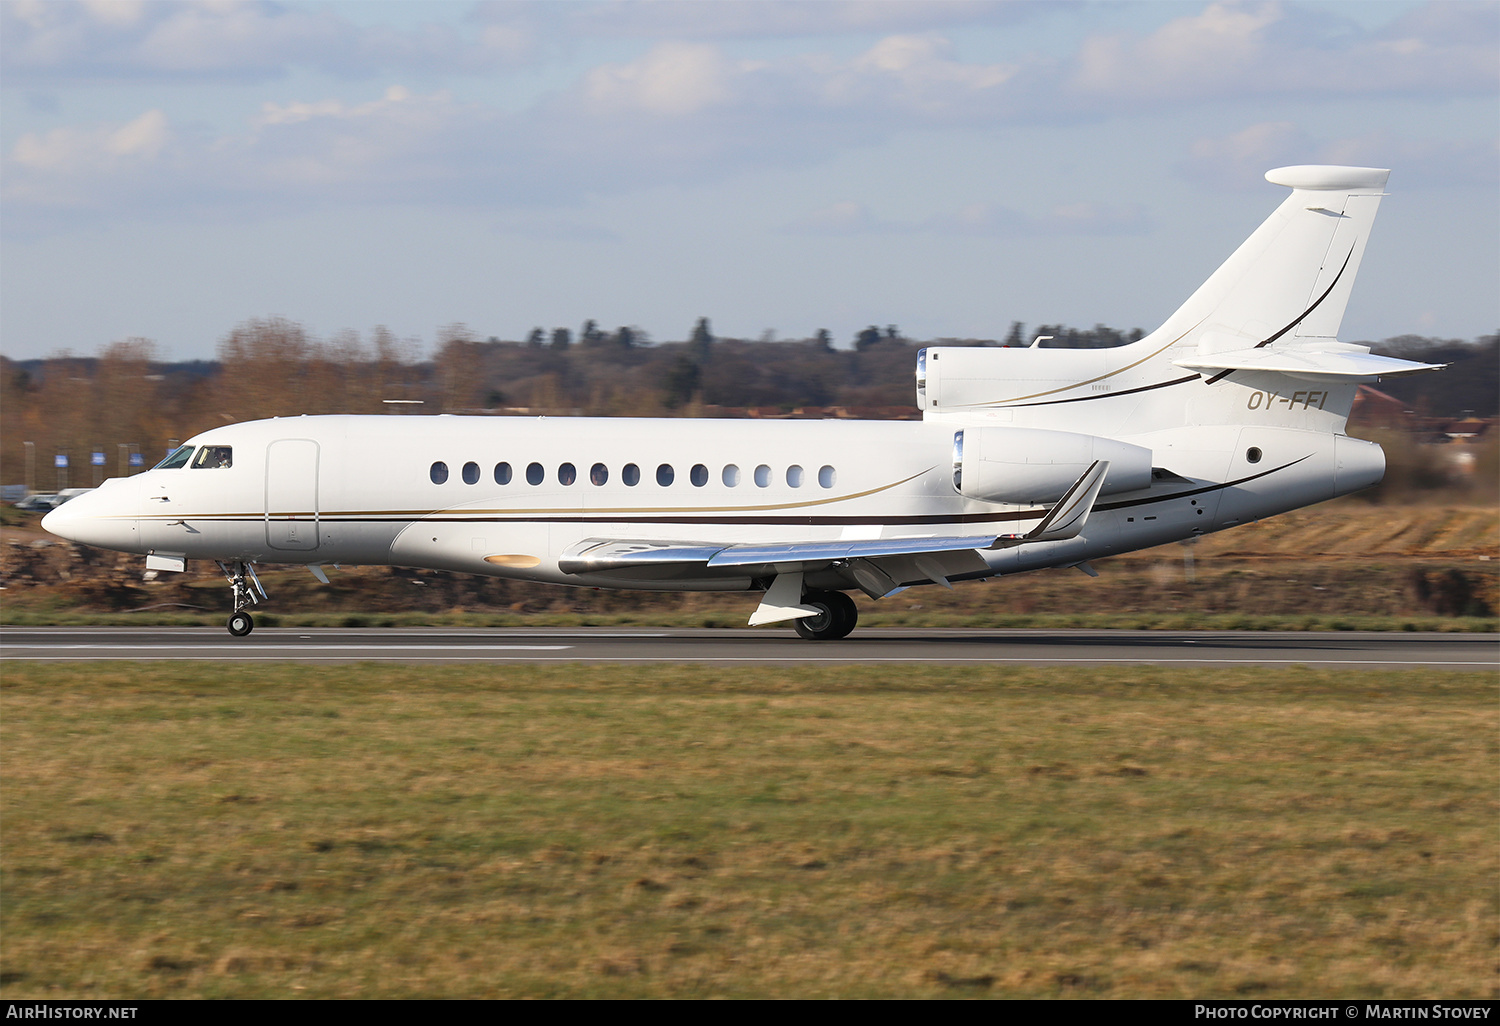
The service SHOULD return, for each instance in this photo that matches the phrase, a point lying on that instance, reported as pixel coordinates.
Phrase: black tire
(241, 623)
(837, 617)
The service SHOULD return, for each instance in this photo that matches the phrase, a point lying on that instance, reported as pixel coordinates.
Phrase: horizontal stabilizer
(1330, 362)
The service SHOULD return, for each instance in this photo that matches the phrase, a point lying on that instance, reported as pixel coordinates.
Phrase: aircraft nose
(105, 517)
(62, 521)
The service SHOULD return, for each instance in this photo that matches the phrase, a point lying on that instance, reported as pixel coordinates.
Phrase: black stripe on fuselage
(1107, 395)
(777, 521)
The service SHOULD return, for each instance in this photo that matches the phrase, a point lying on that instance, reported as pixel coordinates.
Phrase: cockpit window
(175, 459)
(214, 456)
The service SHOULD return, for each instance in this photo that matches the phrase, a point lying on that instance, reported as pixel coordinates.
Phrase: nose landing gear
(241, 577)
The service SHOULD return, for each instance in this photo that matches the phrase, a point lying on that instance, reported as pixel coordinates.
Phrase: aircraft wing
(878, 566)
(630, 557)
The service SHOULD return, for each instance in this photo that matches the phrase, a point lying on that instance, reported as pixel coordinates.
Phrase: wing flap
(827, 552)
(600, 555)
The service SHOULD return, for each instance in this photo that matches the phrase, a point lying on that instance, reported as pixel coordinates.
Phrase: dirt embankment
(1344, 557)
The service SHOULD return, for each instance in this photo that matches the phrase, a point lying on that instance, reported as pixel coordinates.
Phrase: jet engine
(1024, 466)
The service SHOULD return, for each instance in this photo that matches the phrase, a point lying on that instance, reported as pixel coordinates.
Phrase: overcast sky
(172, 169)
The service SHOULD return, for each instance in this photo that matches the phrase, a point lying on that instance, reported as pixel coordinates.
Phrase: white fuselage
(361, 490)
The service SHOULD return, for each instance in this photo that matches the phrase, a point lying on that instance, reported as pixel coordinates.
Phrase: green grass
(186, 830)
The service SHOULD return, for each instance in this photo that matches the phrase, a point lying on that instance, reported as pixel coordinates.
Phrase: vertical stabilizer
(1292, 278)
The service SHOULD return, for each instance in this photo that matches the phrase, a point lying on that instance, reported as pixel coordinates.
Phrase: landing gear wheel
(837, 617)
(241, 623)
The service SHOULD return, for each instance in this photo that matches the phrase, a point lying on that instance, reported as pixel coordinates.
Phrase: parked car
(39, 503)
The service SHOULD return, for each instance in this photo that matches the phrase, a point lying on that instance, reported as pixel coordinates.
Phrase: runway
(771, 646)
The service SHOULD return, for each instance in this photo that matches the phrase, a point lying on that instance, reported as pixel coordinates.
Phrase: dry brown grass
(1340, 565)
(645, 831)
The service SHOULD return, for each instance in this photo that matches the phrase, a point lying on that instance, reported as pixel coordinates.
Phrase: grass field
(179, 830)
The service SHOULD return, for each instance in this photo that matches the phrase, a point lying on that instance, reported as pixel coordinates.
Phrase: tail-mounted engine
(1031, 465)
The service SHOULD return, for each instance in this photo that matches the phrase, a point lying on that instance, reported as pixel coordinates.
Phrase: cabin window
(698, 475)
(598, 474)
(631, 475)
(502, 473)
(664, 474)
(439, 472)
(567, 474)
(794, 476)
(731, 476)
(176, 458)
(534, 473)
(827, 476)
(1253, 454)
(762, 476)
(216, 456)
(471, 473)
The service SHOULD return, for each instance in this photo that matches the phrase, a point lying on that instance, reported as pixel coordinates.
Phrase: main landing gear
(241, 577)
(837, 617)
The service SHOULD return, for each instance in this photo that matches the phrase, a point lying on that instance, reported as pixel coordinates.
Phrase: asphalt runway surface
(1343, 650)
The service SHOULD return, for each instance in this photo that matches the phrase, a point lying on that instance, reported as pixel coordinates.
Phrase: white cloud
(228, 40)
(671, 79)
(119, 12)
(1225, 49)
(764, 19)
(923, 72)
(684, 110)
(146, 136)
(399, 147)
(65, 167)
(898, 79)
(1240, 51)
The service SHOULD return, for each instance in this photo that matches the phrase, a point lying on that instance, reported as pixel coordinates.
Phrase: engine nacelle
(1032, 465)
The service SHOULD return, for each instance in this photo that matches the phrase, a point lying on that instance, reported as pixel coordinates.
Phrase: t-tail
(1233, 384)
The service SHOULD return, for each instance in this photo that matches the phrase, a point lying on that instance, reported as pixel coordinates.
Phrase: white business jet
(1232, 410)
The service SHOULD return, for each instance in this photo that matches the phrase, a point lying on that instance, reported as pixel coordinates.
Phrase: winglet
(1066, 519)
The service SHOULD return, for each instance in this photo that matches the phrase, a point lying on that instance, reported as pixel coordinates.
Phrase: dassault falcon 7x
(1233, 410)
